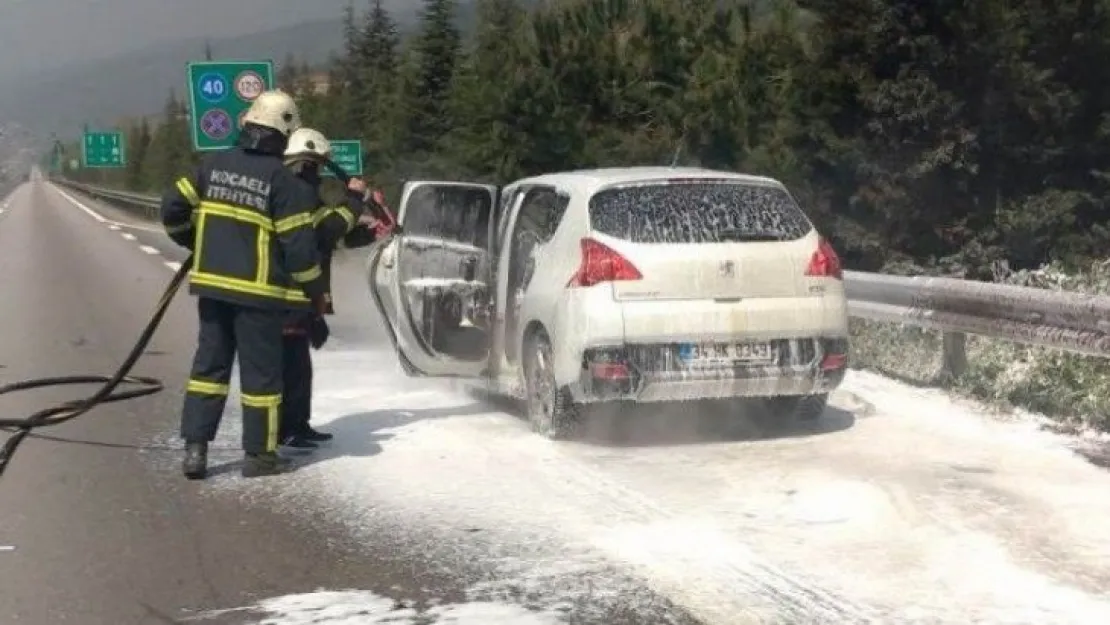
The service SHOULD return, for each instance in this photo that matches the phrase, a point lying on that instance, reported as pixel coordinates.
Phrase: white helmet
(274, 109)
(307, 143)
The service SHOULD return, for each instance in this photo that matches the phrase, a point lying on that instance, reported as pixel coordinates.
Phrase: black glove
(186, 238)
(318, 332)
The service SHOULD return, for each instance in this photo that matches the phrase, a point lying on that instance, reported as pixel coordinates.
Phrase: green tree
(483, 138)
(379, 110)
(170, 150)
(138, 143)
(436, 53)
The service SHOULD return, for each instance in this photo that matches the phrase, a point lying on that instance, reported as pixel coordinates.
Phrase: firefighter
(341, 225)
(248, 221)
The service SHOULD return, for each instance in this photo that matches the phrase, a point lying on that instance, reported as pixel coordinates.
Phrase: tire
(551, 411)
(792, 410)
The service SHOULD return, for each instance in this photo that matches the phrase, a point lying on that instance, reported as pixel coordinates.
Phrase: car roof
(591, 180)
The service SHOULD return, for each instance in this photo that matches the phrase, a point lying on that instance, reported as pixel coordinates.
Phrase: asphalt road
(906, 508)
(90, 534)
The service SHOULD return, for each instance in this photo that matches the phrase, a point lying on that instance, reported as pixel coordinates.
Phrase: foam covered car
(639, 284)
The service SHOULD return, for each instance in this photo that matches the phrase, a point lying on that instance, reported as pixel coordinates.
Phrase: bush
(1071, 389)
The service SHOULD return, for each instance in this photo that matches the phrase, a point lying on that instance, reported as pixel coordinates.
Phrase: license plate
(725, 353)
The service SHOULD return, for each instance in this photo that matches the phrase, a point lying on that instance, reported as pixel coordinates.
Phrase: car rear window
(701, 211)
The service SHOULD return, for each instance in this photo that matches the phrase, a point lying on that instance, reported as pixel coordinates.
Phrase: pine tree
(482, 139)
(378, 110)
(436, 49)
(138, 143)
(170, 147)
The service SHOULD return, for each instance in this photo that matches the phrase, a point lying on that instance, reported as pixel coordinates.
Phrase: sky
(49, 34)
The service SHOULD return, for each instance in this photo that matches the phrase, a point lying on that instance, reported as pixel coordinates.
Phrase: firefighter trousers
(297, 399)
(255, 335)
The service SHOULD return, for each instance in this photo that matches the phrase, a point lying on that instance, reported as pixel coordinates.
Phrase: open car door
(431, 283)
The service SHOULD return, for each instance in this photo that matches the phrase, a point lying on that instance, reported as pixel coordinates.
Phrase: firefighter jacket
(249, 222)
(336, 226)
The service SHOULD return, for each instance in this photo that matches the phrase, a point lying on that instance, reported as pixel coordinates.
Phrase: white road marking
(128, 236)
(137, 227)
(114, 225)
(148, 249)
(173, 265)
(90, 212)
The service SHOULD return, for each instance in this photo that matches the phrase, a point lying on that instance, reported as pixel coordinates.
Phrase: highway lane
(909, 507)
(92, 535)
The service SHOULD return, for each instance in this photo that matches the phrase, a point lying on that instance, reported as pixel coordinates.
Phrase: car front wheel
(551, 411)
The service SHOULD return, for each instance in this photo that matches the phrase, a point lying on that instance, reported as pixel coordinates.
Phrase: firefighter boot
(299, 443)
(195, 465)
(315, 436)
(261, 465)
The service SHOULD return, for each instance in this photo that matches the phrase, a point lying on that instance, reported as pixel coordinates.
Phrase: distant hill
(102, 92)
(137, 83)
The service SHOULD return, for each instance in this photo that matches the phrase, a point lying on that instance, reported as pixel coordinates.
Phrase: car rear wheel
(790, 410)
(551, 411)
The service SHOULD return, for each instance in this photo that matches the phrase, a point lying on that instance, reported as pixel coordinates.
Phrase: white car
(639, 284)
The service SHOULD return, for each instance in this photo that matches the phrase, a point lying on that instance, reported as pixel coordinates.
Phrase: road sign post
(220, 92)
(347, 153)
(103, 150)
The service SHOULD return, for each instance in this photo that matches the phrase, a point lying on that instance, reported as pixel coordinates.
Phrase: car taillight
(601, 263)
(825, 263)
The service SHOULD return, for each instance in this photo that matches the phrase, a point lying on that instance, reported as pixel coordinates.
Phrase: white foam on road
(355, 607)
(922, 510)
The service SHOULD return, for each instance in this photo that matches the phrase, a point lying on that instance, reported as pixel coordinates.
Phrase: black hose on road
(140, 386)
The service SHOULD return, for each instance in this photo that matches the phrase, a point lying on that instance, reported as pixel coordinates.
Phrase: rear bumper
(652, 373)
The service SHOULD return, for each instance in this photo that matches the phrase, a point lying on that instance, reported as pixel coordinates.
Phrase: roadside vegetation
(948, 137)
(1073, 390)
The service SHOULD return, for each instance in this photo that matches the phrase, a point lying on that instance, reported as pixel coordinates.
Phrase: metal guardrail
(139, 203)
(1058, 319)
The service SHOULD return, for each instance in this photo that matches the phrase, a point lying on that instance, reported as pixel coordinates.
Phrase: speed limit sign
(249, 85)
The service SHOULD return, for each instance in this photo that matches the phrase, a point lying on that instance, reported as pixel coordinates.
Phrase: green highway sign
(347, 153)
(102, 149)
(220, 92)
